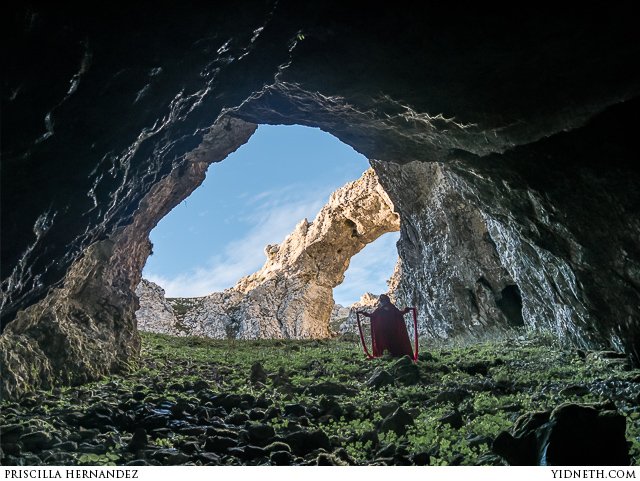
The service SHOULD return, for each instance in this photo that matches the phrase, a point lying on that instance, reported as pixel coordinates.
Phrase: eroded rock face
(368, 302)
(87, 327)
(455, 279)
(155, 313)
(292, 295)
(545, 225)
(116, 114)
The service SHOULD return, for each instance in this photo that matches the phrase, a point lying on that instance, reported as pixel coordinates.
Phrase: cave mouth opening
(252, 201)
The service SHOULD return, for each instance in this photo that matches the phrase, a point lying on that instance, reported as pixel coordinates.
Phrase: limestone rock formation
(367, 302)
(155, 313)
(339, 315)
(461, 283)
(505, 99)
(543, 235)
(87, 327)
(292, 295)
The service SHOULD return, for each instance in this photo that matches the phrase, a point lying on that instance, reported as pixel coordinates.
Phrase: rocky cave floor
(210, 402)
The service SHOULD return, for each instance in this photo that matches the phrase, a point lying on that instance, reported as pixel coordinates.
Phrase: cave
(510, 303)
(290, 291)
(504, 140)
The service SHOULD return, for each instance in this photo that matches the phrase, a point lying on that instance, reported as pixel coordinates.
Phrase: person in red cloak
(388, 329)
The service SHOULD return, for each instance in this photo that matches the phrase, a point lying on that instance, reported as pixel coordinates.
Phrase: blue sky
(255, 197)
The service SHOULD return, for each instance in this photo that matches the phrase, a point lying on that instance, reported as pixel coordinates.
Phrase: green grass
(523, 374)
(535, 368)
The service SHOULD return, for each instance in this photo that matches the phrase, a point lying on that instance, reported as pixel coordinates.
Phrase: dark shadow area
(510, 303)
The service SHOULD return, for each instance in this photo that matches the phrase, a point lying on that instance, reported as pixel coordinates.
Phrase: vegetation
(490, 384)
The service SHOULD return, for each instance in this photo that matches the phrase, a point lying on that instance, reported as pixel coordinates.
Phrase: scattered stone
(325, 459)
(295, 410)
(530, 422)
(475, 368)
(92, 448)
(475, 441)
(277, 446)
(330, 389)
(190, 447)
(512, 408)
(388, 408)
(193, 430)
(11, 433)
(303, 442)
(574, 390)
(490, 460)
(218, 444)
(272, 412)
(221, 431)
(454, 396)
(36, 441)
(342, 454)
(453, 419)
(380, 378)
(210, 459)
(11, 449)
(304, 421)
(138, 441)
(237, 419)
(426, 357)
(329, 405)
(260, 433)
(370, 436)
(421, 459)
(406, 371)
(281, 458)
(262, 402)
(244, 453)
(396, 422)
(256, 414)
(155, 421)
(200, 385)
(227, 401)
(170, 456)
(388, 451)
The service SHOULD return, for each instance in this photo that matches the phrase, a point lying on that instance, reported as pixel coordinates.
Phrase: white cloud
(274, 220)
(278, 213)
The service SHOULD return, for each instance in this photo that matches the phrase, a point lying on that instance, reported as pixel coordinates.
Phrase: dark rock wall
(564, 213)
(552, 225)
(450, 268)
(99, 106)
(87, 327)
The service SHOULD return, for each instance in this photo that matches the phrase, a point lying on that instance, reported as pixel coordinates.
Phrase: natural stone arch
(291, 296)
(85, 151)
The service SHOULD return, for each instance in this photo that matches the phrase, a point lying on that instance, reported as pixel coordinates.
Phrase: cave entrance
(245, 208)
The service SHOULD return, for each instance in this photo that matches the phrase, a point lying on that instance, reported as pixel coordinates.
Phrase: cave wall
(449, 267)
(87, 327)
(552, 225)
(100, 106)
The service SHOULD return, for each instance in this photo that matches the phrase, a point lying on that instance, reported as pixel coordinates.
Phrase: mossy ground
(495, 381)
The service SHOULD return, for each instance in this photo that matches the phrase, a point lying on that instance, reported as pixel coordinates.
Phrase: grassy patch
(491, 384)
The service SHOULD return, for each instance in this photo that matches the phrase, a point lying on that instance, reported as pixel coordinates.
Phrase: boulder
(571, 435)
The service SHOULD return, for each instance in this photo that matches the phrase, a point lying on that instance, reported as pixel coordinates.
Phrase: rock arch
(537, 137)
(292, 294)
